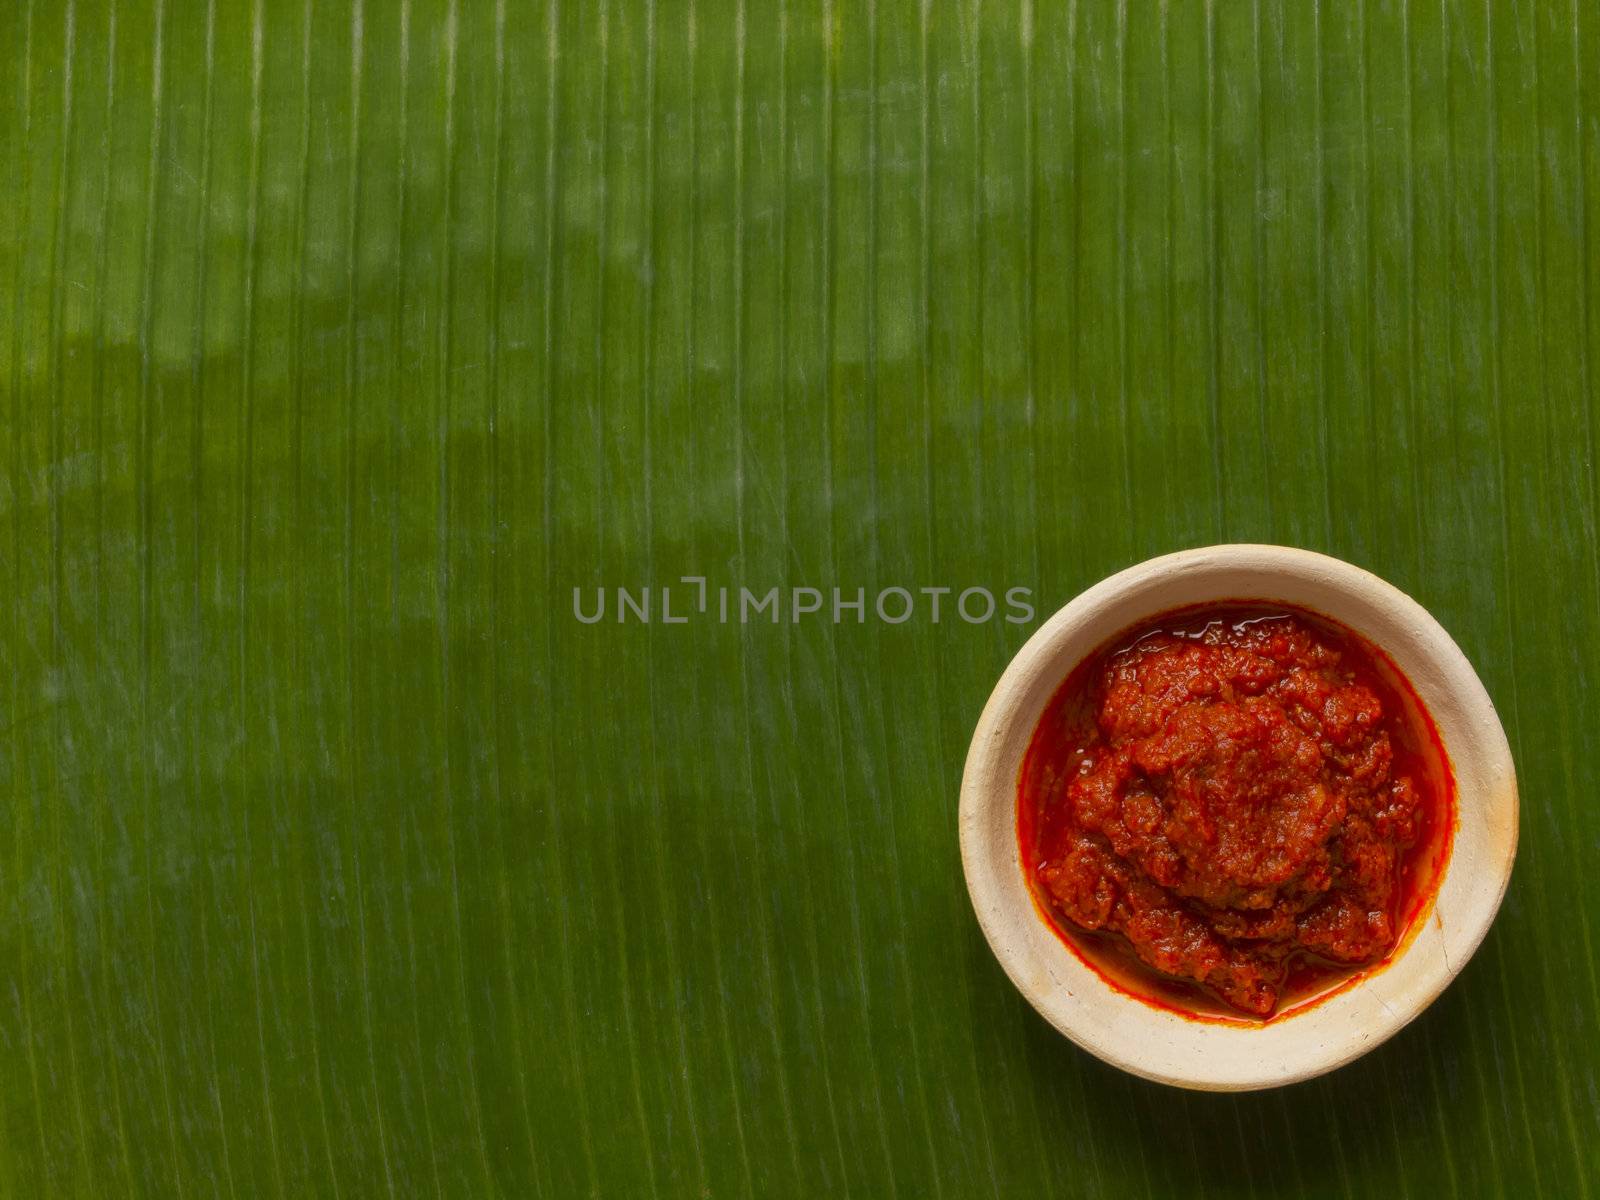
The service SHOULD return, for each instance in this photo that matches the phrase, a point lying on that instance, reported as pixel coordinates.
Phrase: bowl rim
(1167, 1047)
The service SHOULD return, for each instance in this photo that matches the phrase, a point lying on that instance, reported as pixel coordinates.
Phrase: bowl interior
(1166, 1046)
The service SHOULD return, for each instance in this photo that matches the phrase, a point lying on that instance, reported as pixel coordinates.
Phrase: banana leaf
(348, 347)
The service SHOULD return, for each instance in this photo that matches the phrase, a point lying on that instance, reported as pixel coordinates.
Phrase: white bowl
(1166, 1046)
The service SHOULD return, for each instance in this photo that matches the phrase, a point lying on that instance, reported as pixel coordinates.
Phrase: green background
(340, 343)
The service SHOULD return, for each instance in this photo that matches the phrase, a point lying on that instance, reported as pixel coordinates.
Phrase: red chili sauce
(1234, 808)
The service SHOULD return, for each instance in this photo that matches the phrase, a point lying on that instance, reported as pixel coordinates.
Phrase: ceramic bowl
(1164, 1045)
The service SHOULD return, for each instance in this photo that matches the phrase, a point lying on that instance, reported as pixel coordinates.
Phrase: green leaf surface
(340, 340)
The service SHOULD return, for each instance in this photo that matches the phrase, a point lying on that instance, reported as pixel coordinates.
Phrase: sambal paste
(1240, 804)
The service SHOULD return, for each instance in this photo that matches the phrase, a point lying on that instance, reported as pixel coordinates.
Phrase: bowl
(1167, 1046)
